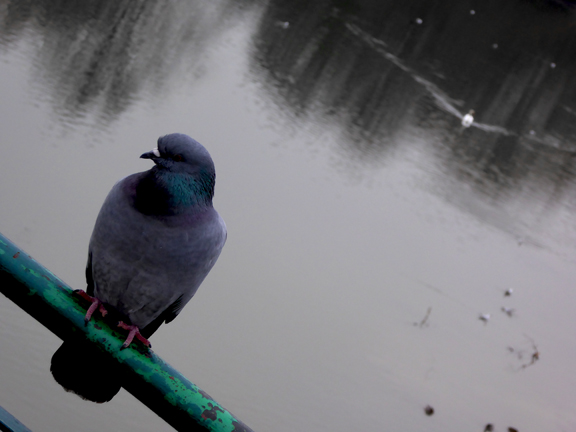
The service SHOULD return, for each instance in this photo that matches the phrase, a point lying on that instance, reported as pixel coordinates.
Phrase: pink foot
(96, 304)
(134, 331)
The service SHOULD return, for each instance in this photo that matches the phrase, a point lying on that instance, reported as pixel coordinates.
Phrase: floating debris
(283, 24)
(424, 321)
(495, 46)
(535, 355)
(489, 427)
(511, 429)
(519, 353)
(508, 292)
(472, 12)
(429, 410)
(484, 317)
(468, 119)
(508, 311)
(552, 65)
(418, 21)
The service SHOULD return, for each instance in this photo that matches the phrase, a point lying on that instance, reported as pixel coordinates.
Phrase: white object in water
(508, 311)
(468, 119)
(484, 317)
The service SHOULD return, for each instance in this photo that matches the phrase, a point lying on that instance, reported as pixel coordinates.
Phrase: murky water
(368, 229)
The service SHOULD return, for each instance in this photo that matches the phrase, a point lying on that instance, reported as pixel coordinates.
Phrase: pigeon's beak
(154, 154)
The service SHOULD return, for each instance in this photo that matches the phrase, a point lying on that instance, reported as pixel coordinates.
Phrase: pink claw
(96, 304)
(134, 331)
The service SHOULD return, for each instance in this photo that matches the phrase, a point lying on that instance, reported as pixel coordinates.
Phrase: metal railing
(150, 379)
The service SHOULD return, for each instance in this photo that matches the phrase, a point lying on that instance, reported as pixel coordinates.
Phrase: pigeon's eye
(178, 158)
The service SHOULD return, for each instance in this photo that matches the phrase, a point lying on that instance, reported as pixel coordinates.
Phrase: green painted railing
(151, 380)
(9, 423)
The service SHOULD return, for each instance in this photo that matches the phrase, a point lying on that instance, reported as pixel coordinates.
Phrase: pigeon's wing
(168, 315)
(173, 310)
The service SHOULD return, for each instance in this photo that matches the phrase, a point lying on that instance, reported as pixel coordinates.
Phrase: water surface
(368, 229)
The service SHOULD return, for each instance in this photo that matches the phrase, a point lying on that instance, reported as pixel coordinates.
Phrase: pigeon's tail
(82, 369)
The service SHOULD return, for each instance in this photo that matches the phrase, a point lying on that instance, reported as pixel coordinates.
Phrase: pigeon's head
(184, 169)
(178, 153)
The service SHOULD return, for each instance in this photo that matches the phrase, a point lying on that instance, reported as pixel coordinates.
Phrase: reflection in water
(100, 56)
(356, 63)
(388, 74)
(383, 71)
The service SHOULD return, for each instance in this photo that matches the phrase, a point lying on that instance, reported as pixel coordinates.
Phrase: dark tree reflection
(394, 72)
(99, 56)
(388, 74)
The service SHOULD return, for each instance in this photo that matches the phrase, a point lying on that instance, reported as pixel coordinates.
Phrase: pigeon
(155, 239)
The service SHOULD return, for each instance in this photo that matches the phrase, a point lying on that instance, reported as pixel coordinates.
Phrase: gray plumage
(155, 239)
(149, 254)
